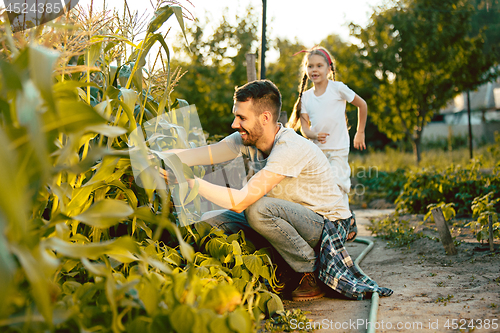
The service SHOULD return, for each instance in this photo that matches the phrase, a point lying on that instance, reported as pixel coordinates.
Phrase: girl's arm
(359, 138)
(305, 128)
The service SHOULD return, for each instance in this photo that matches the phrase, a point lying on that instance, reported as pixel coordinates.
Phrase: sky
(309, 21)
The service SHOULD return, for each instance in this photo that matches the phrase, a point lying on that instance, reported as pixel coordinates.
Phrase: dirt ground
(433, 292)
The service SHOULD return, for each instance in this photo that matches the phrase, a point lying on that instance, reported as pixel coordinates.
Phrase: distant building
(452, 119)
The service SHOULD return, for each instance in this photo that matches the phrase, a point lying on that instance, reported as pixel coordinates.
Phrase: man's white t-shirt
(309, 179)
(327, 113)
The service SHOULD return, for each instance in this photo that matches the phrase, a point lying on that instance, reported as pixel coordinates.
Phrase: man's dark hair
(264, 95)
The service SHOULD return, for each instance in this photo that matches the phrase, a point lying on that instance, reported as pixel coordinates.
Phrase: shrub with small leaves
(447, 208)
(396, 231)
(483, 209)
(288, 321)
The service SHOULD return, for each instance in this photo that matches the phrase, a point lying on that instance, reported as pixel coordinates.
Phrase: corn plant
(83, 247)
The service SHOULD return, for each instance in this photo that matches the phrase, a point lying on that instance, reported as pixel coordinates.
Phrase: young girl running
(320, 112)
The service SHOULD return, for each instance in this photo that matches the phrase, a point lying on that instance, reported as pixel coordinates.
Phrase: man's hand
(165, 172)
(168, 175)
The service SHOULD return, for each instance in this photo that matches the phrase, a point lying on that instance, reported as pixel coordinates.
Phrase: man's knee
(256, 213)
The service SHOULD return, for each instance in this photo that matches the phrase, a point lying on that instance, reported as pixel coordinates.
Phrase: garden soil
(433, 292)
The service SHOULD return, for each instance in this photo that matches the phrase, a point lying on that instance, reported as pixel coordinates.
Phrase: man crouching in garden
(288, 198)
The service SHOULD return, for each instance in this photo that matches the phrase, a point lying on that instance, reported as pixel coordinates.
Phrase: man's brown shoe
(308, 289)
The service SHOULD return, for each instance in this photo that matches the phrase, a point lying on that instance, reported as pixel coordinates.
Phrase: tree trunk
(415, 142)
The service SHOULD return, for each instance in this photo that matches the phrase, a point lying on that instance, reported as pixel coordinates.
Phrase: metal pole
(263, 49)
(470, 126)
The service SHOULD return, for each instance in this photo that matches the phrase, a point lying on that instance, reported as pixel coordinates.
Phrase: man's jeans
(292, 229)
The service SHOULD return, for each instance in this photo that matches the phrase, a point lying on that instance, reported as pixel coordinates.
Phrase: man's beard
(252, 136)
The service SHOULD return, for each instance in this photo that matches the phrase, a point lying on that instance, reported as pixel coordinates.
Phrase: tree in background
(486, 16)
(422, 54)
(215, 65)
(286, 71)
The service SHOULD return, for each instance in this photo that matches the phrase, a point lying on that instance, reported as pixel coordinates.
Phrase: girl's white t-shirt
(327, 113)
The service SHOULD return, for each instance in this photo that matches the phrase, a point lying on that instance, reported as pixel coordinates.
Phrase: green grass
(392, 159)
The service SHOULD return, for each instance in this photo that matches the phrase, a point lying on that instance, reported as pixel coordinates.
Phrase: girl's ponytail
(294, 121)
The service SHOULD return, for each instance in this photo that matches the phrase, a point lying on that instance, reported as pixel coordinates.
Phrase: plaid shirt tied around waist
(336, 267)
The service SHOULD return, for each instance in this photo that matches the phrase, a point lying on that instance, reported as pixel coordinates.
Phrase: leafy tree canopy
(422, 54)
(215, 65)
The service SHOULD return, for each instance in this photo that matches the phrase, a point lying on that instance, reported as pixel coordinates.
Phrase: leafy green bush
(397, 232)
(382, 184)
(289, 321)
(484, 208)
(447, 209)
(446, 144)
(456, 184)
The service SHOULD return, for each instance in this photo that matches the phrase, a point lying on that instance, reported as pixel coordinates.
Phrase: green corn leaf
(7, 265)
(97, 38)
(150, 179)
(10, 40)
(159, 265)
(13, 200)
(107, 130)
(72, 117)
(129, 194)
(80, 199)
(105, 213)
(130, 115)
(91, 251)
(105, 170)
(144, 213)
(39, 283)
(193, 193)
(129, 98)
(178, 14)
(28, 104)
(175, 164)
(5, 111)
(98, 269)
(11, 78)
(113, 70)
(138, 58)
(42, 61)
(146, 229)
(71, 86)
(110, 46)
(96, 154)
(93, 53)
(137, 79)
(161, 15)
